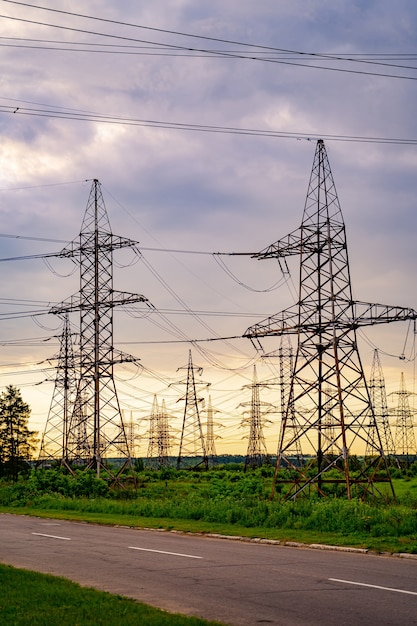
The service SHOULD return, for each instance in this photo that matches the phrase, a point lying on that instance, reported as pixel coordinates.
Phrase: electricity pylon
(379, 402)
(159, 437)
(256, 453)
(405, 441)
(285, 355)
(132, 434)
(192, 450)
(164, 437)
(97, 432)
(153, 421)
(325, 320)
(286, 370)
(210, 436)
(330, 422)
(54, 444)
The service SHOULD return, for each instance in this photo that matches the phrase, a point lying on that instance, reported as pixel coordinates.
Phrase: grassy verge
(31, 599)
(223, 502)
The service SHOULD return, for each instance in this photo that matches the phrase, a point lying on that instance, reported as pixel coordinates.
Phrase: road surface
(238, 583)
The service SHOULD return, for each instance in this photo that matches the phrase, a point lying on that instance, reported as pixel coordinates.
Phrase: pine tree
(17, 442)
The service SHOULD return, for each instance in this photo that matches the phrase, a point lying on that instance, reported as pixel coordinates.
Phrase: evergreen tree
(17, 442)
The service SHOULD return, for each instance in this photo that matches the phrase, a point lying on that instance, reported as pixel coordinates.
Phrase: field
(223, 500)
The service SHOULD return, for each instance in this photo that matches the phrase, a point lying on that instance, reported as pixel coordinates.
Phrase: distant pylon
(286, 370)
(97, 432)
(159, 448)
(325, 320)
(153, 424)
(192, 450)
(405, 441)
(256, 453)
(378, 395)
(132, 434)
(210, 436)
(54, 444)
(164, 437)
(330, 422)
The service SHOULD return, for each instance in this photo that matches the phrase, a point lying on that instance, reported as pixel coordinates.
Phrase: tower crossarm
(286, 321)
(302, 240)
(287, 246)
(78, 303)
(367, 314)
(355, 314)
(111, 242)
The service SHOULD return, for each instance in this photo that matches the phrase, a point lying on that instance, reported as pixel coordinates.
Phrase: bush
(221, 497)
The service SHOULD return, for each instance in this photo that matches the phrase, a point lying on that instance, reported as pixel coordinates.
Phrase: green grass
(31, 599)
(355, 540)
(222, 502)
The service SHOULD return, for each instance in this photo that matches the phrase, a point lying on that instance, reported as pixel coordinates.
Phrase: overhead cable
(53, 112)
(320, 56)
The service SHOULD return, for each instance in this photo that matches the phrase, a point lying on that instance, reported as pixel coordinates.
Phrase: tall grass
(225, 498)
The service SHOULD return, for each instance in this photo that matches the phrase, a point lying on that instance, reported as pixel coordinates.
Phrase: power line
(158, 49)
(169, 341)
(190, 48)
(141, 248)
(72, 182)
(24, 302)
(258, 47)
(30, 257)
(27, 238)
(50, 111)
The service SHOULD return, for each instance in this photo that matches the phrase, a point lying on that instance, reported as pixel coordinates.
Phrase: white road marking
(351, 582)
(188, 556)
(52, 536)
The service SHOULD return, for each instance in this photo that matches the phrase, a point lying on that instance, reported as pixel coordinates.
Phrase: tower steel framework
(132, 434)
(210, 436)
(152, 433)
(379, 402)
(405, 440)
(325, 320)
(192, 450)
(55, 444)
(96, 429)
(159, 446)
(286, 370)
(164, 437)
(256, 453)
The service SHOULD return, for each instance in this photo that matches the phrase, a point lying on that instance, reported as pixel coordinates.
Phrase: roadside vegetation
(224, 500)
(31, 599)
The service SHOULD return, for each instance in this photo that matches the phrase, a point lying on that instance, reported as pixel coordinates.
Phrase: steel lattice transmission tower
(152, 439)
(133, 437)
(97, 431)
(286, 370)
(210, 436)
(159, 446)
(192, 450)
(325, 320)
(405, 441)
(55, 443)
(256, 453)
(379, 402)
(164, 437)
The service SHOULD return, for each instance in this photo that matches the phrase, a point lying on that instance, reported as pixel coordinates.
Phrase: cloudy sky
(200, 119)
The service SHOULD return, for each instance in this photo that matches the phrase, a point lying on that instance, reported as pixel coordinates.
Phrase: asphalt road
(238, 583)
